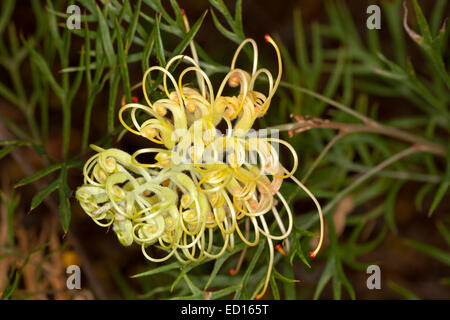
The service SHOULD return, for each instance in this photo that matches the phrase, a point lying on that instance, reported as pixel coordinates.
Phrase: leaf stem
(307, 123)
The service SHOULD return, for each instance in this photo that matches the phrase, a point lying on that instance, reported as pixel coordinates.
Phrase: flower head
(205, 188)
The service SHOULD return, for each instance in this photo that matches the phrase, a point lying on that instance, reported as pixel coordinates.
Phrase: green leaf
(226, 33)
(349, 27)
(159, 44)
(182, 272)
(17, 273)
(43, 193)
(64, 57)
(158, 7)
(76, 82)
(217, 265)
(275, 291)
(436, 253)
(148, 51)
(11, 284)
(97, 87)
(405, 293)
(87, 52)
(301, 254)
(11, 204)
(317, 56)
(194, 289)
(14, 128)
(421, 194)
(64, 199)
(442, 190)
(371, 245)
(337, 288)
(339, 275)
(64, 209)
(392, 10)
(127, 291)
(173, 29)
(5, 151)
(300, 43)
(444, 232)
(6, 93)
(288, 288)
(220, 5)
(343, 278)
(178, 16)
(189, 36)
(279, 276)
(390, 205)
(123, 64)
(238, 17)
(326, 275)
(132, 27)
(334, 80)
(304, 232)
(63, 181)
(298, 250)
(151, 294)
(41, 63)
(431, 47)
(114, 82)
(106, 38)
(423, 24)
(249, 270)
(440, 193)
(256, 291)
(224, 292)
(53, 26)
(436, 17)
(164, 268)
(6, 12)
(40, 150)
(38, 175)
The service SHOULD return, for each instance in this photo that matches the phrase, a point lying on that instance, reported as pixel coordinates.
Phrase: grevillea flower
(205, 189)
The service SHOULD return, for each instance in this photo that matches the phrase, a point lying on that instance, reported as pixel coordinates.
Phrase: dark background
(399, 263)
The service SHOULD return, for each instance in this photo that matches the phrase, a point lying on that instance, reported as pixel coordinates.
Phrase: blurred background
(36, 240)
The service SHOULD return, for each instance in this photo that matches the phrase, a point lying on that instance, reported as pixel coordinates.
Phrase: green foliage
(337, 84)
(10, 202)
(405, 293)
(15, 275)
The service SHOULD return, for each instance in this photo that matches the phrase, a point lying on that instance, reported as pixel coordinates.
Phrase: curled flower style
(204, 189)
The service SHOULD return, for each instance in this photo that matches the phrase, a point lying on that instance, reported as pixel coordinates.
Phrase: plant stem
(368, 125)
(330, 205)
(321, 155)
(335, 104)
(307, 123)
(66, 128)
